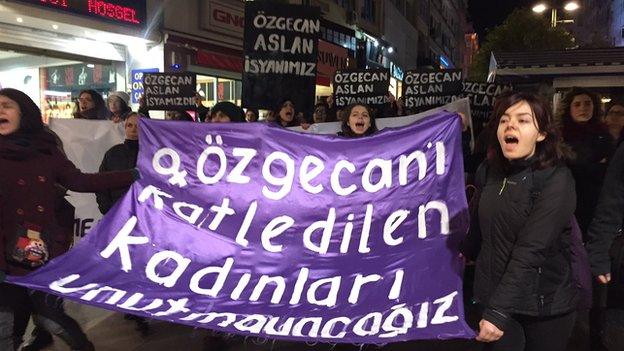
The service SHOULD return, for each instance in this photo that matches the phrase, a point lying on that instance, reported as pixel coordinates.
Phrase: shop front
(211, 45)
(52, 50)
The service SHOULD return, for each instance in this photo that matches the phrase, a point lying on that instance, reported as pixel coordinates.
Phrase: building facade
(53, 50)
(591, 27)
(617, 22)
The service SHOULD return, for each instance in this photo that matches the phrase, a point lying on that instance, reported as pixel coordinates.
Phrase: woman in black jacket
(119, 158)
(592, 147)
(523, 276)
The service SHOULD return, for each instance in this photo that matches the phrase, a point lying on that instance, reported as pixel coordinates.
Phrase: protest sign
(280, 47)
(85, 142)
(425, 89)
(258, 230)
(482, 97)
(137, 82)
(170, 91)
(368, 87)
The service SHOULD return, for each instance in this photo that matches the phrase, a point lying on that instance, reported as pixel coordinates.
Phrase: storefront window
(214, 89)
(54, 84)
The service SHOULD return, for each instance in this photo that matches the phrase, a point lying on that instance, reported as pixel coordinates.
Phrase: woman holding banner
(521, 231)
(30, 235)
(360, 122)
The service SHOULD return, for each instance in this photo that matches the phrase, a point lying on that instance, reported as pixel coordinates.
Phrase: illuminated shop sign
(130, 12)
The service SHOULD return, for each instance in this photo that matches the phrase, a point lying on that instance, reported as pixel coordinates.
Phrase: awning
(577, 62)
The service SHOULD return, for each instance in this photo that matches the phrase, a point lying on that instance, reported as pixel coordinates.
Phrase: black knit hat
(235, 113)
(30, 114)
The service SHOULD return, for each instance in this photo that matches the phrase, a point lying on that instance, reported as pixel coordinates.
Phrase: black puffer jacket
(523, 265)
(593, 148)
(609, 216)
(118, 158)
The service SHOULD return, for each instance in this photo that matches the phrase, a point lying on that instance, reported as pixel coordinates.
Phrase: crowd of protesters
(545, 182)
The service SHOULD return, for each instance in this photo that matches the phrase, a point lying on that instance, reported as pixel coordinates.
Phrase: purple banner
(257, 230)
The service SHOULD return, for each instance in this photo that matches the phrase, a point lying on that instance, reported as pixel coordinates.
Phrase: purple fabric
(410, 278)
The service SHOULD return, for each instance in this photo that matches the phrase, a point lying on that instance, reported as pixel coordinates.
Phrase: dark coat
(523, 265)
(118, 158)
(592, 150)
(29, 196)
(609, 215)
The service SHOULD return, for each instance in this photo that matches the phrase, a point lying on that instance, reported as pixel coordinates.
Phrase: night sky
(490, 13)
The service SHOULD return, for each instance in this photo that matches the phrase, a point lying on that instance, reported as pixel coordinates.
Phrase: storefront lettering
(113, 11)
(228, 18)
(332, 59)
(62, 3)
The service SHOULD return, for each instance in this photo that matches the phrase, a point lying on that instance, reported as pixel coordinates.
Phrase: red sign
(219, 61)
(225, 17)
(119, 11)
(330, 59)
(112, 11)
(228, 18)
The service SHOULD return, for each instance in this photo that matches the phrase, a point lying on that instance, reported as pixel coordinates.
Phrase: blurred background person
(91, 106)
(118, 105)
(251, 115)
(614, 119)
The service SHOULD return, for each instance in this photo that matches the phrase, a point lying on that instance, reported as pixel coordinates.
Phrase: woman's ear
(541, 136)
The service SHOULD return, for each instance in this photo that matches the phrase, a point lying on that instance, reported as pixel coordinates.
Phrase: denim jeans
(6, 329)
(47, 312)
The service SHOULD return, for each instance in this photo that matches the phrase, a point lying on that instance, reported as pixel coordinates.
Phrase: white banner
(460, 106)
(85, 142)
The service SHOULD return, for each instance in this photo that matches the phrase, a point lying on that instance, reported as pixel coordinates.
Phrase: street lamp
(570, 6)
(539, 8)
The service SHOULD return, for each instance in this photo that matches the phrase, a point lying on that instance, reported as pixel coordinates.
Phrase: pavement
(109, 331)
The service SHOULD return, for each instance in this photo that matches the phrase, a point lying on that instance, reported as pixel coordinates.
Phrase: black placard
(170, 91)
(281, 48)
(482, 97)
(127, 12)
(425, 89)
(368, 87)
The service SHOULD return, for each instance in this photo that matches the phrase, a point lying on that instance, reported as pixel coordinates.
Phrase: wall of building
(402, 35)
(617, 22)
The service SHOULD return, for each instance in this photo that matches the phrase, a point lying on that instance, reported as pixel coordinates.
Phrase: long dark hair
(125, 109)
(278, 118)
(572, 129)
(549, 151)
(348, 132)
(30, 114)
(100, 111)
(32, 138)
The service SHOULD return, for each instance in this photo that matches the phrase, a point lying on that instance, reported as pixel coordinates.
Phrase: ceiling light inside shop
(90, 65)
(20, 20)
(55, 26)
(605, 100)
(390, 50)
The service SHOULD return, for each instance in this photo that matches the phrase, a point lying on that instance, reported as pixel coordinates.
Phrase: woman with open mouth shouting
(359, 122)
(285, 114)
(31, 165)
(520, 231)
